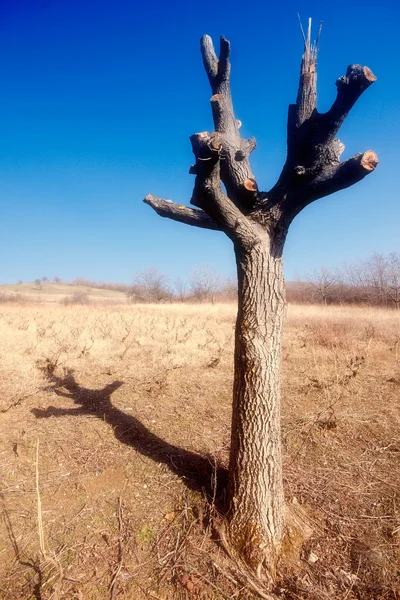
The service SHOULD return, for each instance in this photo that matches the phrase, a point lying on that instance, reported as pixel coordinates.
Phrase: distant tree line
(375, 281)
(204, 284)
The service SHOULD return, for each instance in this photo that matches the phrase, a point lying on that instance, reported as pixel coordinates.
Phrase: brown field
(115, 421)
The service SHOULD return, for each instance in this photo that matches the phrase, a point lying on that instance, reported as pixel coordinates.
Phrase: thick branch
(349, 89)
(183, 214)
(286, 199)
(210, 60)
(346, 174)
(235, 166)
(313, 168)
(209, 195)
(218, 70)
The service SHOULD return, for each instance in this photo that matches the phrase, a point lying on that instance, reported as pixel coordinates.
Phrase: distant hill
(56, 292)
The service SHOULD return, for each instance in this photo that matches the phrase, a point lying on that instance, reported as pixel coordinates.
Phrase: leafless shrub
(76, 298)
(12, 298)
(104, 327)
(228, 290)
(325, 286)
(87, 346)
(205, 283)
(181, 289)
(150, 285)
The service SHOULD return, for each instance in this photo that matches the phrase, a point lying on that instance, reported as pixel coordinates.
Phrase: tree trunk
(256, 502)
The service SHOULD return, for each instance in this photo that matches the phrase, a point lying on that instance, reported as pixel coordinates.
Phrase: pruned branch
(208, 193)
(346, 174)
(218, 70)
(313, 168)
(210, 60)
(183, 214)
(235, 166)
(349, 89)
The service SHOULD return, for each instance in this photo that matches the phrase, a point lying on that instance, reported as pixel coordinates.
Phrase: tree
(205, 283)
(393, 278)
(228, 289)
(151, 285)
(382, 278)
(325, 284)
(257, 223)
(373, 275)
(180, 289)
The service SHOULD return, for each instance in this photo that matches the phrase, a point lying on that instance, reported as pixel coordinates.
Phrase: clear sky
(99, 98)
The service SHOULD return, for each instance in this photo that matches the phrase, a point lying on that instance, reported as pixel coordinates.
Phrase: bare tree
(381, 278)
(181, 289)
(229, 289)
(257, 223)
(205, 283)
(393, 278)
(373, 276)
(38, 284)
(151, 285)
(324, 283)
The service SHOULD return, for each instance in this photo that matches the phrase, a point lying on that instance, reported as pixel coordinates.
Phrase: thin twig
(301, 29)
(39, 506)
(113, 587)
(215, 587)
(47, 558)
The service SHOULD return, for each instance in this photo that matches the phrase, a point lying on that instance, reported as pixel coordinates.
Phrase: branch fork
(312, 169)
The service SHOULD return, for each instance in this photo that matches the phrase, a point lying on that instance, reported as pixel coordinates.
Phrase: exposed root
(254, 582)
(297, 532)
(261, 578)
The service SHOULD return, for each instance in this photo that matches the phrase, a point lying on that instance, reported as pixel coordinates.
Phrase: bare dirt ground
(115, 429)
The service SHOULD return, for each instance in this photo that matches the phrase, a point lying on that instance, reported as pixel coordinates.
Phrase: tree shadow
(199, 473)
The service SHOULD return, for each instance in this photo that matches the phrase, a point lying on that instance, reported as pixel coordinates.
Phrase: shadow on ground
(197, 472)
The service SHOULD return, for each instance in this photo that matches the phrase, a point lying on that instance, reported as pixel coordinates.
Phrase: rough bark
(257, 223)
(256, 505)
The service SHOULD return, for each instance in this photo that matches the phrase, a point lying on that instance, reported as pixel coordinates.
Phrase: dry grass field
(115, 432)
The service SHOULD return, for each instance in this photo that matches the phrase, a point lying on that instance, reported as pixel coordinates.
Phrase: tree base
(297, 532)
(260, 567)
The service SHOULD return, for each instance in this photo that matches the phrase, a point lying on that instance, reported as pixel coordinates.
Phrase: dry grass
(131, 406)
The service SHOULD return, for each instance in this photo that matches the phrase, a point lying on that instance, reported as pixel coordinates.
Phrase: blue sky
(99, 98)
